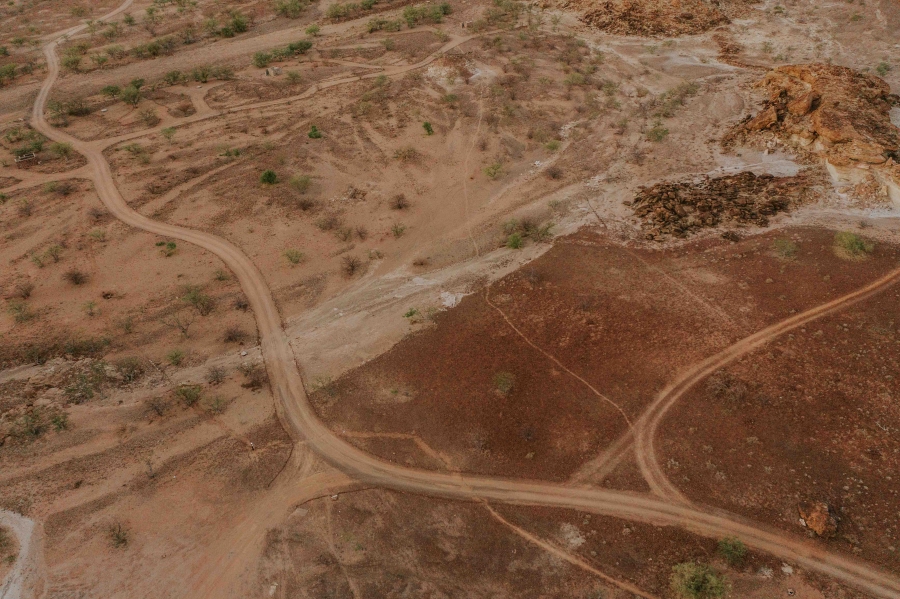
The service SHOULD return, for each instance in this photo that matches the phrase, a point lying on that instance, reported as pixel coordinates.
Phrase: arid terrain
(479, 298)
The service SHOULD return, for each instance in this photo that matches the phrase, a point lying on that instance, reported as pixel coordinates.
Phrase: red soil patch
(812, 416)
(606, 313)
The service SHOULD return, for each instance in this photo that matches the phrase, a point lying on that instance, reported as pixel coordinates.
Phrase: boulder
(819, 518)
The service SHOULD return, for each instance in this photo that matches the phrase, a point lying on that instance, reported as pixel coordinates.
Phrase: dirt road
(302, 422)
(26, 577)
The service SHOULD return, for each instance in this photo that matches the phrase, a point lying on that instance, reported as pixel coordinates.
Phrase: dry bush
(216, 375)
(75, 276)
(255, 375)
(407, 154)
(329, 222)
(235, 334)
(350, 265)
(554, 172)
(158, 405)
(399, 202)
(24, 289)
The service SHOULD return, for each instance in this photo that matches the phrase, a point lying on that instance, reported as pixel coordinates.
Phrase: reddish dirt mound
(834, 111)
(679, 209)
(653, 17)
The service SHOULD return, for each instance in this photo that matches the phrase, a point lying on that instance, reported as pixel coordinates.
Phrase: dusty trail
(303, 424)
(27, 574)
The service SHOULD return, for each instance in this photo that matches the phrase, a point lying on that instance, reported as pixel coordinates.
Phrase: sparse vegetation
(294, 256)
(851, 245)
(175, 357)
(200, 301)
(301, 183)
(397, 229)
(255, 376)
(493, 171)
(657, 133)
(691, 580)
(118, 535)
(75, 276)
(407, 154)
(189, 394)
(504, 382)
(215, 375)
(785, 248)
(350, 265)
(732, 550)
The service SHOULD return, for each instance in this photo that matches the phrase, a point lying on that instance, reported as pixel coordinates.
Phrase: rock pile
(681, 208)
(652, 18)
(817, 516)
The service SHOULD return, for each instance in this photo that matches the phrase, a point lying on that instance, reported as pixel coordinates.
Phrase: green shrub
(111, 91)
(268, 177)
(732, 550)
(61, 149)
(428, 128)
(691, 580)
(261, 59)
(299, 47)
(413, 15)
(514, 241)
(882, 69)
(301, 183)
(852, 244)
(314, 132)
(494, 170)
(291, 9)
(239, 23)
(313, 30)
(200, 301)
(657, 133)
(189, 394)
(131, 95)
(294, 256)
(175, 357)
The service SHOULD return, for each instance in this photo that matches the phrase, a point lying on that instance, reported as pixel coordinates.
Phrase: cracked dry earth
(478, 299)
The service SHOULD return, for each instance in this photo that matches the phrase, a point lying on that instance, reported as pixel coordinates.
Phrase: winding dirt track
(301, 420)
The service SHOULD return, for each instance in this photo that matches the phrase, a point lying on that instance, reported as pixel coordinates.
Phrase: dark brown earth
(812, 417)
(625, 320)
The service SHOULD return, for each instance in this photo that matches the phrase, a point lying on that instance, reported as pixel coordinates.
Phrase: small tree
(131, 95)
(268, 177)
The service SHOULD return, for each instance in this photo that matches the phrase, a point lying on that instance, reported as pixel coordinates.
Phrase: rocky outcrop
(818, 517)
(680, 208)
(834, 112)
